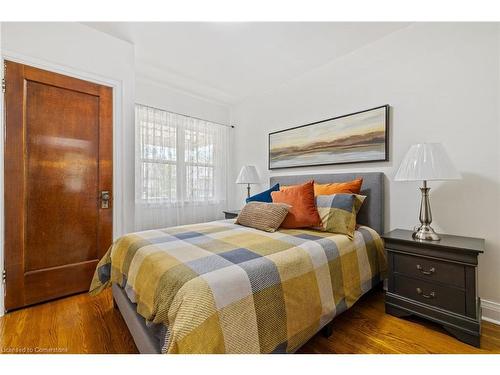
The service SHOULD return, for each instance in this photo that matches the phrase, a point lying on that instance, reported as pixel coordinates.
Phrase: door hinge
(4, 83)
(4, 281)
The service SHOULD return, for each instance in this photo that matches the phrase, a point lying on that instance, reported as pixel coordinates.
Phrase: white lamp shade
(248, 175)
(426, 161)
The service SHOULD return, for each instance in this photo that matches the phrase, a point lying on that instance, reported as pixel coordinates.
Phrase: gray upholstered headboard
(372, 211)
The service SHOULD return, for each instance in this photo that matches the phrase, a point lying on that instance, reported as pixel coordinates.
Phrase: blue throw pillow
(265, 196)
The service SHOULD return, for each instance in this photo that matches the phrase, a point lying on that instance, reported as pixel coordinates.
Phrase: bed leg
(327, 330)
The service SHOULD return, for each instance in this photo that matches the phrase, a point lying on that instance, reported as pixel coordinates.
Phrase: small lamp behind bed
(248, 175)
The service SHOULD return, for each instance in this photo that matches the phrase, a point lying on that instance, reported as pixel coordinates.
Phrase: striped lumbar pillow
(264, 216)
(338, 212)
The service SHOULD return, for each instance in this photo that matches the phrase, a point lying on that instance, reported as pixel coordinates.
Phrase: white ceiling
(228, 62)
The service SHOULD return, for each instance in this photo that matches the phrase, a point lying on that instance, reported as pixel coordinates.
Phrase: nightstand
(436, 280)
(231, 214)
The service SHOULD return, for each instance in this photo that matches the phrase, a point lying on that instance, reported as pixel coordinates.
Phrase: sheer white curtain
(181, 169)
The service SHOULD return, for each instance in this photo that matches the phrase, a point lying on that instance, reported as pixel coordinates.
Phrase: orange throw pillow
(353, 187)
(303, 212)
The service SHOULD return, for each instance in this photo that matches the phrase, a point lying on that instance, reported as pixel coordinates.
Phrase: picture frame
(359, 137)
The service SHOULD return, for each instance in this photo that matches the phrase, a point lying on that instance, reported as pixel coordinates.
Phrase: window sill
(179, 204)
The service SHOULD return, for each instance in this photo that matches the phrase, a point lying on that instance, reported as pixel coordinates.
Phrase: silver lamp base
(425, 231)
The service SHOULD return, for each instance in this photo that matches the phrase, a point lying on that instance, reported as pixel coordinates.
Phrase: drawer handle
(429, 296)
(421, 269)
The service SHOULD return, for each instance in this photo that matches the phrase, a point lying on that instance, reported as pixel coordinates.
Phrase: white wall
(442, 82)
(78, 50)
(163, 96)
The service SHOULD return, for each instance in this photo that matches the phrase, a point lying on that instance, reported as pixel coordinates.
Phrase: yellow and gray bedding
(220, 287)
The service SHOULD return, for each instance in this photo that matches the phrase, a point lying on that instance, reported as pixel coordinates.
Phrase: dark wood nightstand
(436, 280)
(231, 214)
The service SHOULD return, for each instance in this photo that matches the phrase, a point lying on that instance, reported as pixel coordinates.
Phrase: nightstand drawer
(429, 269)
(448, 298)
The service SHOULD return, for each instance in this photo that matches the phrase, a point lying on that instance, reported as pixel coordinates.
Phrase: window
(181, 159)
(158, 155)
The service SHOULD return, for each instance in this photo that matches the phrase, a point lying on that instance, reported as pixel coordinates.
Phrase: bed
(220, 287)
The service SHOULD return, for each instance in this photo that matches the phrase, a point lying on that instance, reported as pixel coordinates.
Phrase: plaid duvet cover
(220, 287)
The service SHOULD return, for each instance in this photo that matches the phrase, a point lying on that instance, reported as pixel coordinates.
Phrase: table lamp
(426, 162)
(248, 175)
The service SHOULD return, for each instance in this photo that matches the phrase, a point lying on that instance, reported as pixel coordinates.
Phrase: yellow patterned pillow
(264, 216)
(338, 212)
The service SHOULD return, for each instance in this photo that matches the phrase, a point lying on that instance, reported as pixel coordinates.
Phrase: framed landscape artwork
(355, 138)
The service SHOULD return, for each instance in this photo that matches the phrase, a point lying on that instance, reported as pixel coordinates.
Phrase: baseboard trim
(491, 311)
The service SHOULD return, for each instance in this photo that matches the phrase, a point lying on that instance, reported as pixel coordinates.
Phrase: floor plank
(85, 324)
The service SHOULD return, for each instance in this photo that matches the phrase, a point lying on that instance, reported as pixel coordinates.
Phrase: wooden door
(58, 161)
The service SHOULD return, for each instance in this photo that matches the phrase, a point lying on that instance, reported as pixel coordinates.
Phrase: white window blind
(182, 165)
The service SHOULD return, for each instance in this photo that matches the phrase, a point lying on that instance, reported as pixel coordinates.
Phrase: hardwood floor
(366, 329)
(84, 324)
(76, 324)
